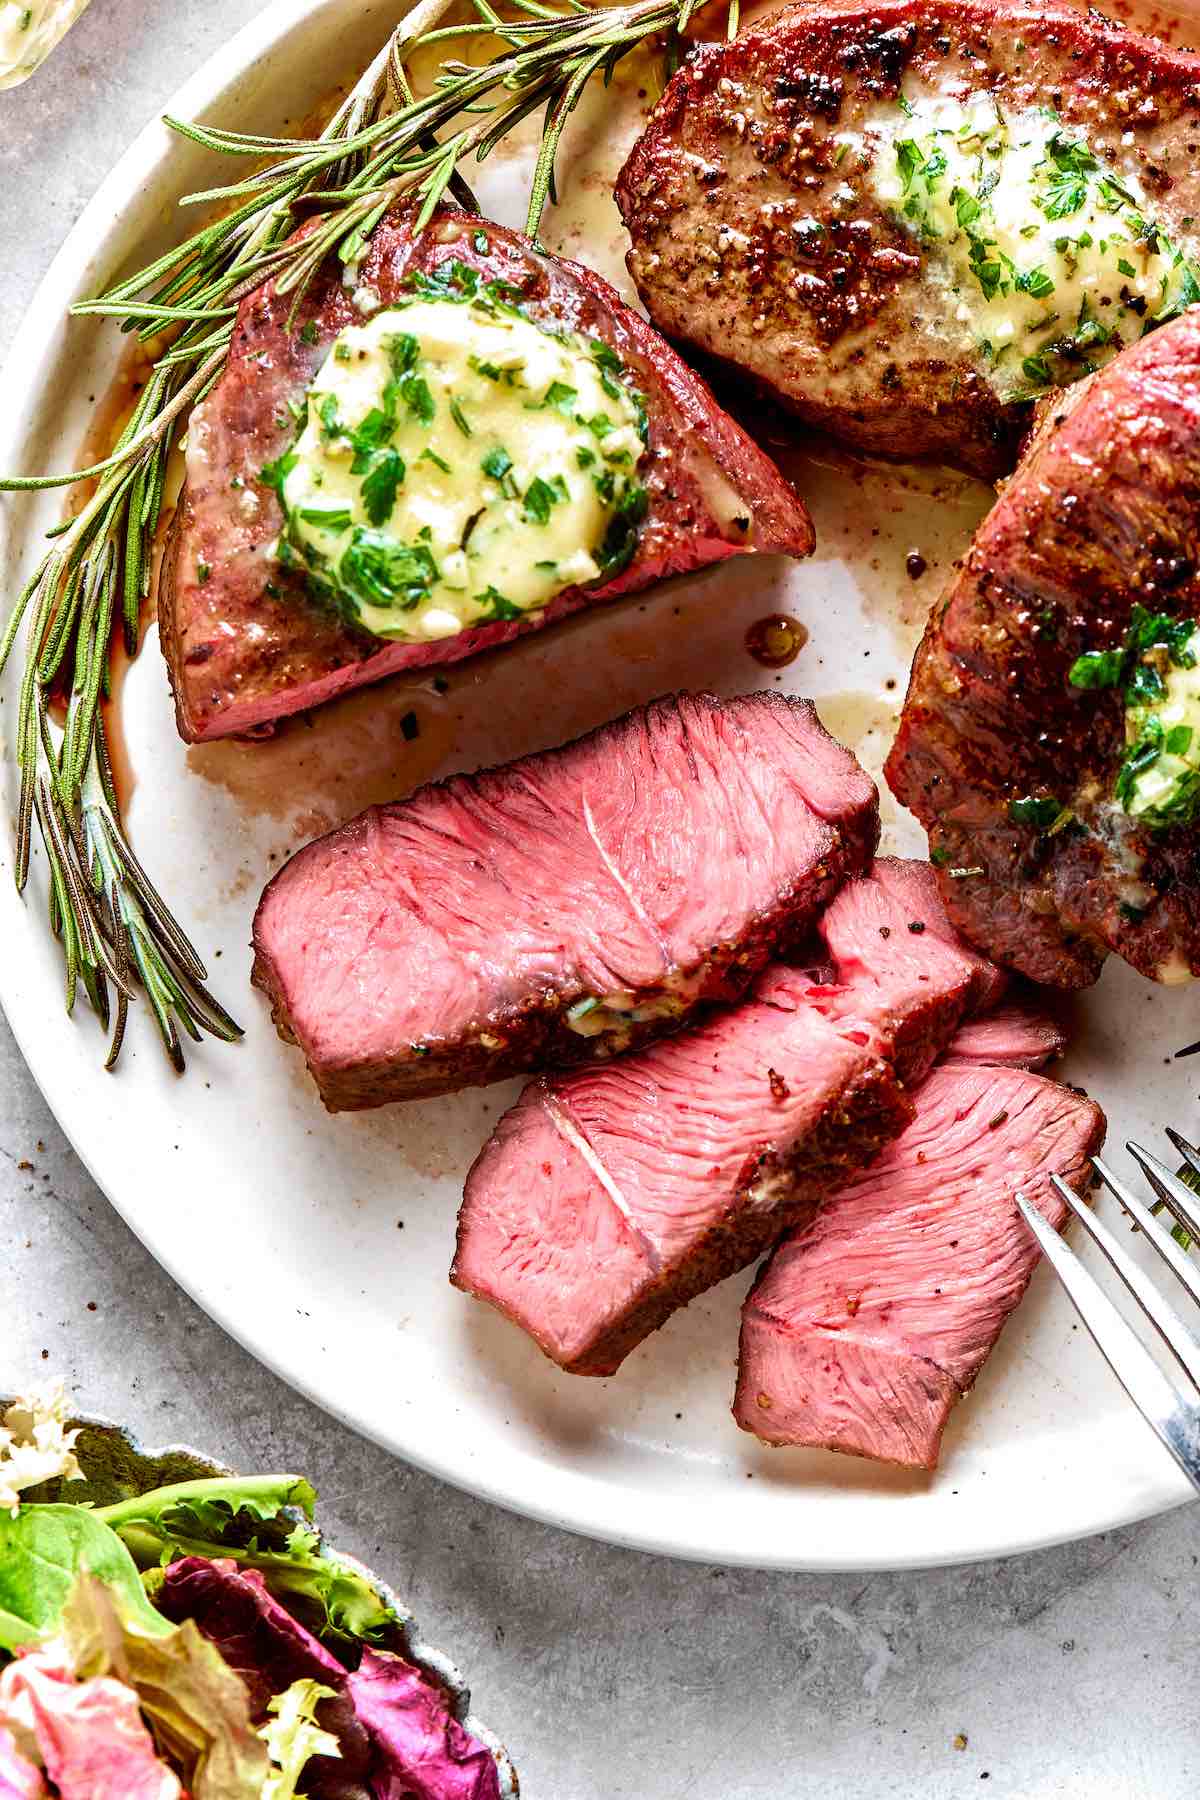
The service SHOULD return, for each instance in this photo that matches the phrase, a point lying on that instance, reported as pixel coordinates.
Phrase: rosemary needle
(116, 932)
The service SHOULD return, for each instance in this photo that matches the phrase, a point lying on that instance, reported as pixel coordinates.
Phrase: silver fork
(1172, 1409)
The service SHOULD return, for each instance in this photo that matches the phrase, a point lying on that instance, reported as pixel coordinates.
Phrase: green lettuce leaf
(261, 1523)
(196, 1707)
(214, 1501)
(43, 1551)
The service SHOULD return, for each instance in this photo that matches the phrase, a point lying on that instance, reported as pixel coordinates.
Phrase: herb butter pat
(459, 464)
(29, 33)
(1157, 669)
(1161, 775)
(1049, 257)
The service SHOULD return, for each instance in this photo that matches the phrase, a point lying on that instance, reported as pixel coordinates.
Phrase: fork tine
(1182, 1341)
(1175, 1195)
(1160, 1403)
(1173, 1254)
(1189, 1152)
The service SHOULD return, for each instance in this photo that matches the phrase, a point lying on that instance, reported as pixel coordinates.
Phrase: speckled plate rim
(127, 209)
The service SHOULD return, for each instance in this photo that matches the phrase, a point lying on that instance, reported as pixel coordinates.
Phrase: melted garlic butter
(1164, 792)
(29, 33)
(1047, 256)
(460, 464)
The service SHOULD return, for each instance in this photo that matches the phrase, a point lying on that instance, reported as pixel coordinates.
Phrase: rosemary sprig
(114, 928)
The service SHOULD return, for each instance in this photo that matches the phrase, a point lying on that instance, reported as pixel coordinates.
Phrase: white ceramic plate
(323, 1244)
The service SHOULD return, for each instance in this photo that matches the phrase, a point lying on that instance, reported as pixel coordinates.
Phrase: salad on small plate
(172, 1631)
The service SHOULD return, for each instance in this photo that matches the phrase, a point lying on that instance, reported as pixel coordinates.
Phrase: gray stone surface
(613, 1676)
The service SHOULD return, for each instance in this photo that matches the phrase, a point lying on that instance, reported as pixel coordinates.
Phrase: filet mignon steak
(763, 235)
(1008, 751)
(245, 642)
(563, 906)
(868, 1325)
(607, 1198)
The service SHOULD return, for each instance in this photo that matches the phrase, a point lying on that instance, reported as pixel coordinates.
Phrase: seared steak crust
(246, 645)
(746, 246)
(1103, 513)
(563, 906)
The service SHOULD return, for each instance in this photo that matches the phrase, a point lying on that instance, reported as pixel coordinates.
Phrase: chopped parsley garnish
(1097, 669)
(326, 518)
(380, 484)
(414, 391)
(308, 332)
(541, 496)
(496, 463)
(431, 456)
(378, 571)
(452, 280)
(274, 474)
(460, 418)
(562, 398)
(1040, 810)
(621, 537)
(370, 437)
(487, 369)
(1034, 282)
(498, 606)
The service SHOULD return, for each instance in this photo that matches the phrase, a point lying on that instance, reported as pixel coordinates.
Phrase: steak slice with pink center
(607, 1198)
(564, 906)
(890, 927)
(869, 1324)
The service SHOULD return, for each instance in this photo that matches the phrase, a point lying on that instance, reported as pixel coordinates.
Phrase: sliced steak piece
(246, 645)
(607, 1198)
(760, 236)
(563, 906)
(867, 1326)
(997, 744)
(890, 928)
(1019, 1035)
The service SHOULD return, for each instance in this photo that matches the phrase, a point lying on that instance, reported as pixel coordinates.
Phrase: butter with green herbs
(29, 33)
(1164, 745)
(460, 463)
(1157, 669)
(1048, 259)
